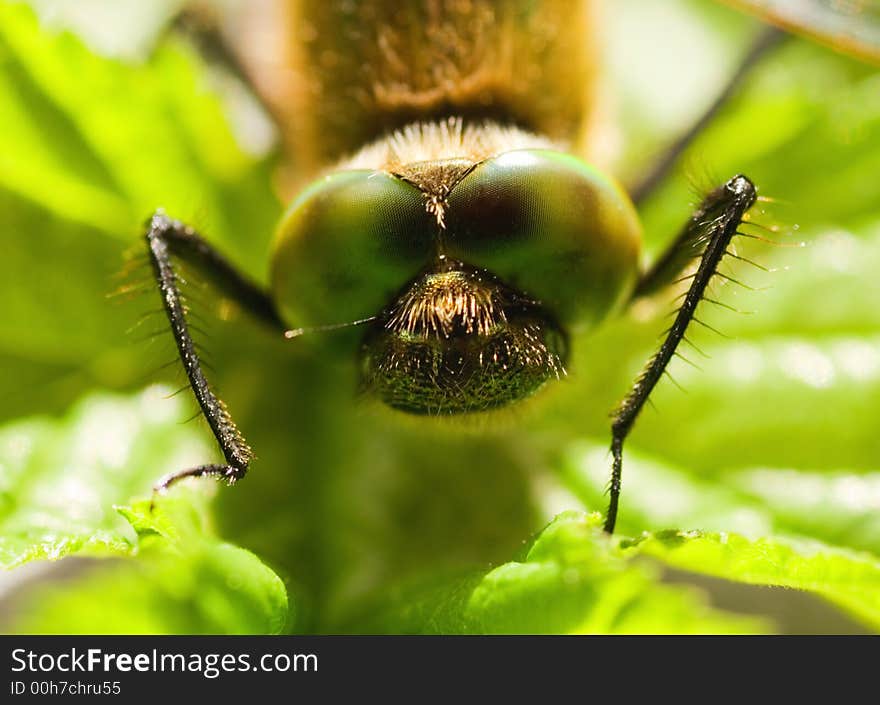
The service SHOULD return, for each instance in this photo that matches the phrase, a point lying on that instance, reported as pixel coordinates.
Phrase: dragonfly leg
(707, 234)
(167, 238)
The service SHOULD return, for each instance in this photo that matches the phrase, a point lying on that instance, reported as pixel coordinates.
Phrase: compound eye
(551, 226)
(346, 245)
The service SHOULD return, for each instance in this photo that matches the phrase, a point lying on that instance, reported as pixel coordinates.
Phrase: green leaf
(806, 115)
(90, 148)
(571, 580)
(847, 578)
(183, 582)
(576, 579)
(60, 481)
(105, 143)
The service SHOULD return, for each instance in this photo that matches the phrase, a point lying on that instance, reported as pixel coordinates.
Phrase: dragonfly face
(474, 265)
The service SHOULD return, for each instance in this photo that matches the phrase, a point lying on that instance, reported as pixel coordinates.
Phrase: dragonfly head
(471, 274)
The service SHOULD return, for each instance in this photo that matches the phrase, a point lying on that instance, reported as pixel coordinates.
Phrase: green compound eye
(551, 226)
(347, 244)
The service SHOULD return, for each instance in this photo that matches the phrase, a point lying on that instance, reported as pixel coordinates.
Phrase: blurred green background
(764, 473)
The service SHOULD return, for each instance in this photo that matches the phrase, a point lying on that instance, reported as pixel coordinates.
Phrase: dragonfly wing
(849, 26)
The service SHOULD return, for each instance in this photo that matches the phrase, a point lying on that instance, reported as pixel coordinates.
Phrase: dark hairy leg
(167, 238)
(706, 235)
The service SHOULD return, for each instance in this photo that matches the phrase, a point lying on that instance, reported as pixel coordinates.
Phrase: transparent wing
(848, 26)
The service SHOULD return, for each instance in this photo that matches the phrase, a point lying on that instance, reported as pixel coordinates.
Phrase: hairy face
(456, 340)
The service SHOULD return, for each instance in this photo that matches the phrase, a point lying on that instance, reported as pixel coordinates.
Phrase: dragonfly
(447, 211)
